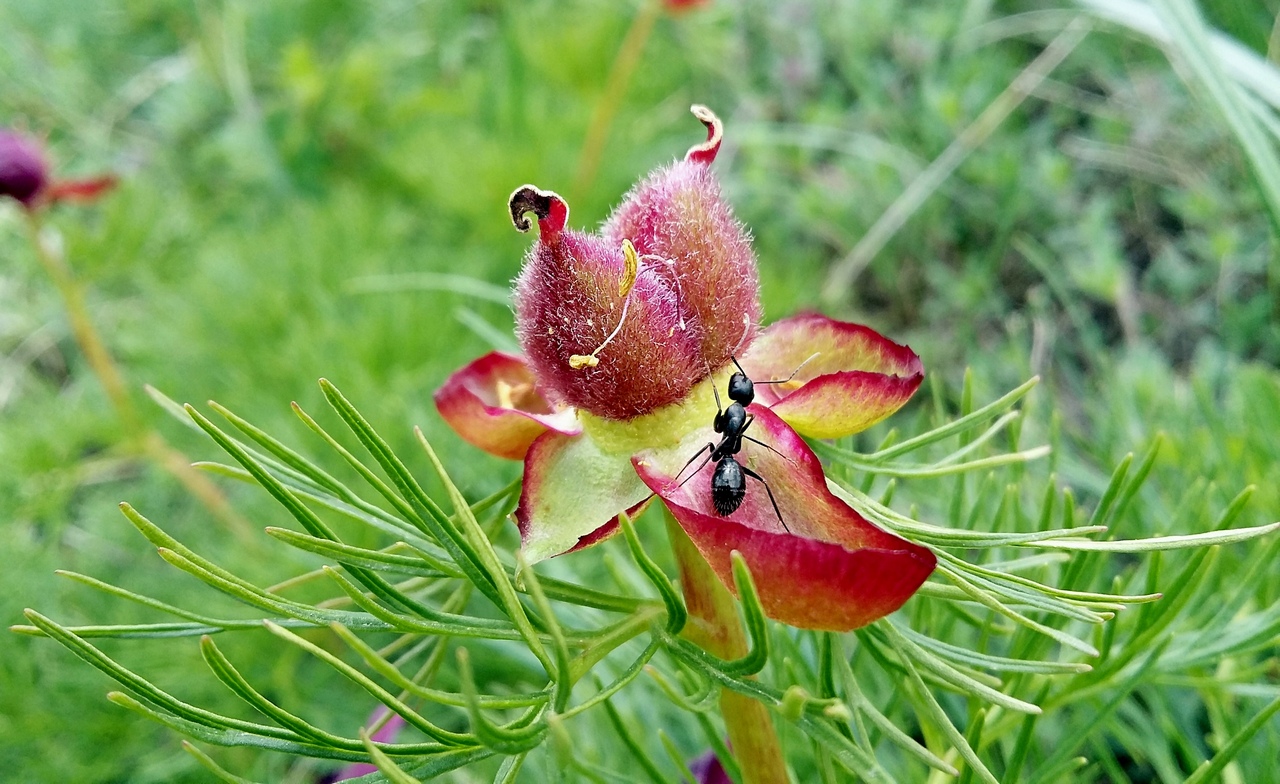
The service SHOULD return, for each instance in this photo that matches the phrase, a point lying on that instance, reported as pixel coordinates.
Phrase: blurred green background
(289, 167)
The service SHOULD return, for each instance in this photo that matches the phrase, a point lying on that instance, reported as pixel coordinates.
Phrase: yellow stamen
(632, 268)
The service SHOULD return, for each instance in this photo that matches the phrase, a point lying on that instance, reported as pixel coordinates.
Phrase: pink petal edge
(572, 494)
(833, 570)
(472, 402)
(857, 378)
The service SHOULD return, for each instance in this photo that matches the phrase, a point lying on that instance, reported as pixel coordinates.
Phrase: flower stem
(624, 66)
(714, 625)
(139, 438)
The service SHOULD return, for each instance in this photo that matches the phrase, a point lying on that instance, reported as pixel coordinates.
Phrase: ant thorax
(732, 420)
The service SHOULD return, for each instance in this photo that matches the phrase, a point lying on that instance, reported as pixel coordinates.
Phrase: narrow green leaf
(1022, 745)
(991, 662)
(385, 764)
(717, 742)
(461, 626)
(562, 673)
(379, 693)
(954, 676)
(647, 765)
(1135, 482)
(754, 621)
(1117, 693)
(1209, 770)
(474, 537)
(504, 739)
(256, 597)
(402, 506)
(230, 737)
(676, 757)
(283, 453)
(208, 764)
(986, 599)
(145, 689)
(862, 706)
(231, 677)
(1109, 495)
(959, 425)
(360, 556)
(974, 739)
(386, 669)
(936, 714)
(677, 615)
(631, 673)
(510, 768)
(1206, 539)
(435, 523)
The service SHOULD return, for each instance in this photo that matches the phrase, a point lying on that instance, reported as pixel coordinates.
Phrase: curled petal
(822, 566)
(83, 190)
(494, 403)
(857, 378)
(573, 492)
(680, 222)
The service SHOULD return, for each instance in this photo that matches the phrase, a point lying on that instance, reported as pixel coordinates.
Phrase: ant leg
(772, 500)
(751, 418)
(771, 449)
(709, 447)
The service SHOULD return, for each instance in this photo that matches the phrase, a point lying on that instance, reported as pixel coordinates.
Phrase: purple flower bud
(23, 171)
(600, 335)
(625, 322)
(678, 214)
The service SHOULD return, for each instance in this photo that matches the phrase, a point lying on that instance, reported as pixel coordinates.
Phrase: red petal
(572, 495)
(82, 190)
(831, 570)
(858, 377)
(494, 403)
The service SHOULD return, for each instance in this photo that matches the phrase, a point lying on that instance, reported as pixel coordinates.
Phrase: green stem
(624, 66)
(138, 437)
(714, 625)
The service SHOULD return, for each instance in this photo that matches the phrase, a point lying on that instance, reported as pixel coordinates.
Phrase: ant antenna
(812, 357)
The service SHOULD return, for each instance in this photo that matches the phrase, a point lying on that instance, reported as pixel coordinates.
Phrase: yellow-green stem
(714, 625)
(139, 438)
(624, 66)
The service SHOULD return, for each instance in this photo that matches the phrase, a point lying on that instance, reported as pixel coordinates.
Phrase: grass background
(1112, 235)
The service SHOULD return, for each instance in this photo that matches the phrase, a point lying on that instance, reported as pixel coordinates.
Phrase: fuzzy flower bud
(23, 171)
(677, 213)
(628, 321)
(600, 336)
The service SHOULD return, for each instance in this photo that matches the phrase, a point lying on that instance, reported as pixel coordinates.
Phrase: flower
(24, 175)
(630, 339)
(385, 734)
(23, 171)
(707, 769)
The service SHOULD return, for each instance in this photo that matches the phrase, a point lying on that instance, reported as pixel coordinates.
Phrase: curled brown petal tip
(552, 211)
(705, 153)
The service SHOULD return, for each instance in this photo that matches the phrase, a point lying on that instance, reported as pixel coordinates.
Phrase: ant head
(741, 390)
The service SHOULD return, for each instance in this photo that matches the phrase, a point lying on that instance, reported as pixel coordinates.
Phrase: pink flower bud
(678, 214)
(23, 171)
(598, 335)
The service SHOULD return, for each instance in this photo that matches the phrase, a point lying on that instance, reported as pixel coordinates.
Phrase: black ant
(729, 482)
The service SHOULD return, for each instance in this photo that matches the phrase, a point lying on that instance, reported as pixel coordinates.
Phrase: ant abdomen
(728, 486)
